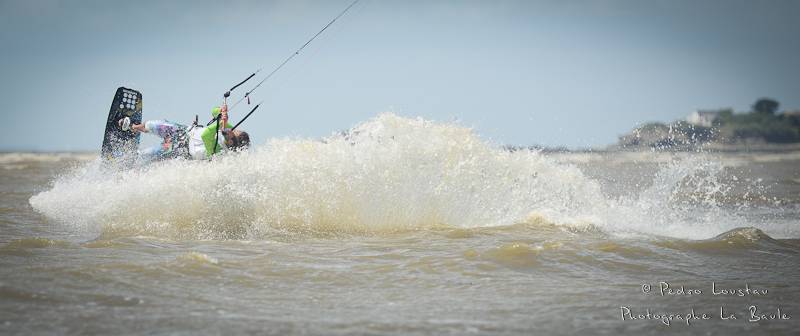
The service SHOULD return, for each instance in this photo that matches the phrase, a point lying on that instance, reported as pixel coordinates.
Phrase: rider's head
(237, 140)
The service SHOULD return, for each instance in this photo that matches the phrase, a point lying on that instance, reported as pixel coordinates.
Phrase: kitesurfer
(193, 142)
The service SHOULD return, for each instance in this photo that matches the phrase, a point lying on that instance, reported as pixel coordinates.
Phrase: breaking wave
(387, 174)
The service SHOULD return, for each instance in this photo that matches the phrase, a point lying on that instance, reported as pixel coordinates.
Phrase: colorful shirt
(208, 136)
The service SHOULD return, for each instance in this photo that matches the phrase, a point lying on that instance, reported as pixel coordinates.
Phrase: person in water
(194, 142)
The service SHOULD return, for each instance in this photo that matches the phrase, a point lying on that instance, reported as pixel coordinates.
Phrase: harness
(176, 145)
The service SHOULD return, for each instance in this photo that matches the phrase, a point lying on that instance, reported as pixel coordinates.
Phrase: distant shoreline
(707, 148)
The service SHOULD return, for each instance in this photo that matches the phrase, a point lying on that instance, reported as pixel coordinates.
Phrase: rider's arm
(209, 134)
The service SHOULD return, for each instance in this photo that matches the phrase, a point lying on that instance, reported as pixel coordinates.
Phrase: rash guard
(209, 136)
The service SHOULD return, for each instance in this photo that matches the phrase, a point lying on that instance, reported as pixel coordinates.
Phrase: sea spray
(387, 174)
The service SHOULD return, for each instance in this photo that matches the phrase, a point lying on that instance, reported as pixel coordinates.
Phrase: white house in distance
(703, 118)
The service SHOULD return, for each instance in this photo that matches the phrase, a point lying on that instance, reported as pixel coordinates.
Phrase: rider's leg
(161, 128)
(165, 130)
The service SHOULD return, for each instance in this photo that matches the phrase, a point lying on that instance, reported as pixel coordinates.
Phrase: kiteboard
(121, 145)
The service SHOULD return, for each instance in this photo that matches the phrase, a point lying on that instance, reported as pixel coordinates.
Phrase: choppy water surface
(403, 226)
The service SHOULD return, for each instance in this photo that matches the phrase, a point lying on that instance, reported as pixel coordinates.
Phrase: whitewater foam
(387, 174)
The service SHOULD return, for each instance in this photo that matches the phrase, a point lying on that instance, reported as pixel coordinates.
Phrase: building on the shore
(704, 118)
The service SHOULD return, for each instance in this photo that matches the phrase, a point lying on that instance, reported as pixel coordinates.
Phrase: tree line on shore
(763, 124)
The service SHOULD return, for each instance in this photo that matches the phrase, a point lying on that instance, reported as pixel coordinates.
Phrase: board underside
(119, 145)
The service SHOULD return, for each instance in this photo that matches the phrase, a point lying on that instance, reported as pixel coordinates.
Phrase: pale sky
(571, 73)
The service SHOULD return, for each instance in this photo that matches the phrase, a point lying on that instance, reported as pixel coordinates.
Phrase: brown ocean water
(374, 233)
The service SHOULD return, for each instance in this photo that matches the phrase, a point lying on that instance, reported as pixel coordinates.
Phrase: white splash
(387, 174)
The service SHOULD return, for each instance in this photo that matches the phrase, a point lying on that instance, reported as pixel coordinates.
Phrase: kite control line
(287, 60)
(297, 52)
(246, 116)
(228, 93)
